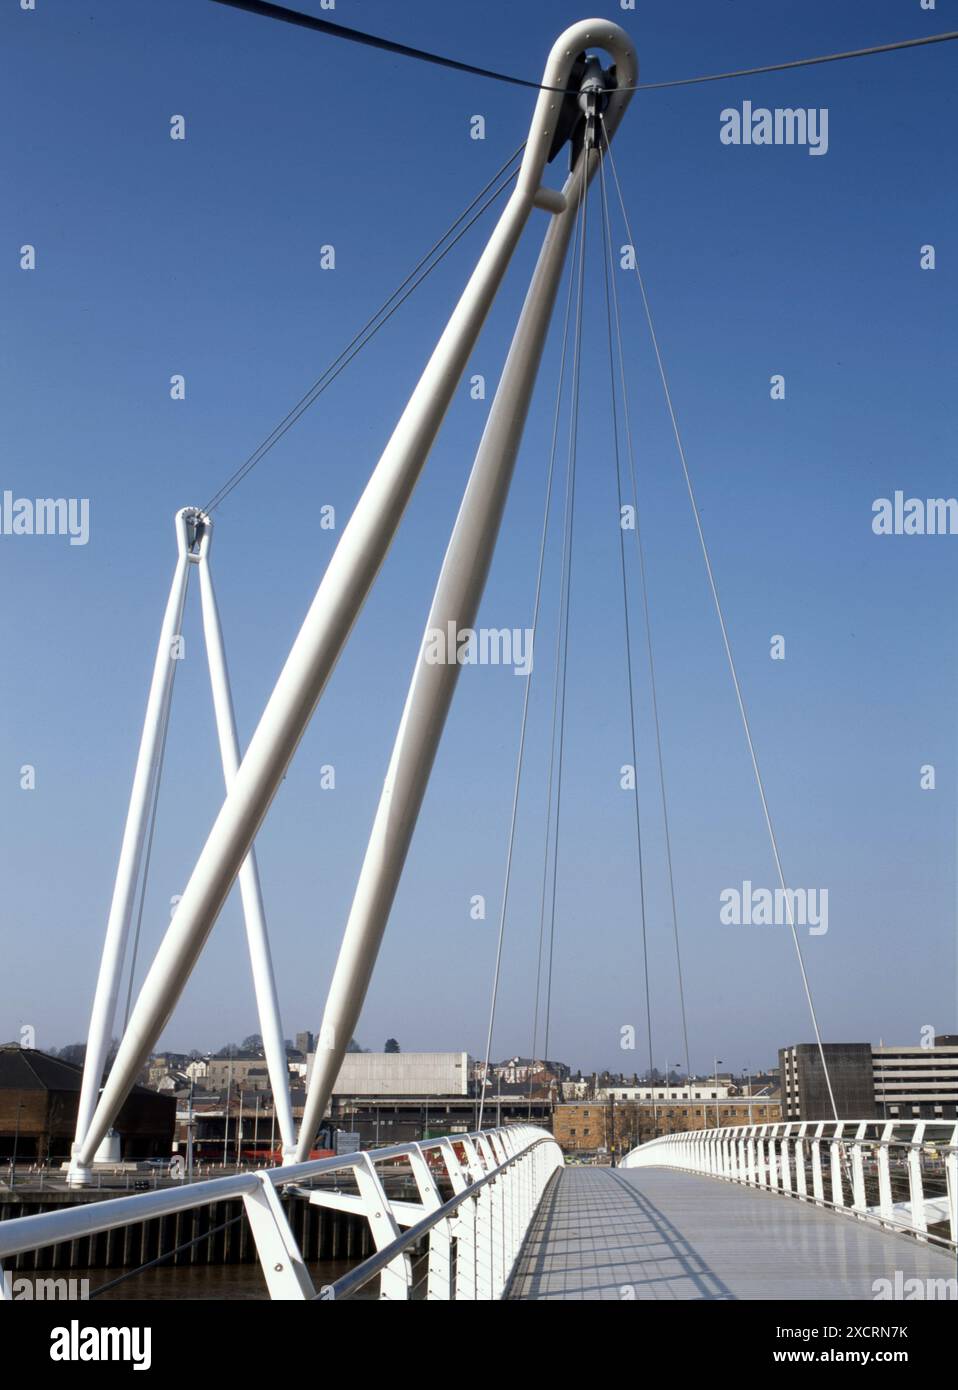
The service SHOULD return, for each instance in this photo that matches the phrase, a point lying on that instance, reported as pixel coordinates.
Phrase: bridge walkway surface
(648, 1233)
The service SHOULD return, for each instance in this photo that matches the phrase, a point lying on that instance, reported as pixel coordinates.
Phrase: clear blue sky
(202, 257)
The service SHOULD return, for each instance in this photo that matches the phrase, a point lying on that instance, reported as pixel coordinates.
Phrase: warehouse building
(39, 1095)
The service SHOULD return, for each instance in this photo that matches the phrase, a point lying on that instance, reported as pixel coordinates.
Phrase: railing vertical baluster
(801, 1177)
(439, 1276)
(785, 1161)
(465, 1231)
(499, 1246)
(951, 1182)
(818, 1180)
(835, 1150)
(483, 1244)
(509, 1201)
(886, 1204)
(859, 1202)
(772, 1163)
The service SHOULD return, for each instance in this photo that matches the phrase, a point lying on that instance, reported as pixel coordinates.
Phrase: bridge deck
(654, 1233)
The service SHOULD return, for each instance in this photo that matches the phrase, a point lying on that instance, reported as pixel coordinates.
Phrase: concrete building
(917, 1083)
(804, 1089)
(907, 1083)
(392, 1074)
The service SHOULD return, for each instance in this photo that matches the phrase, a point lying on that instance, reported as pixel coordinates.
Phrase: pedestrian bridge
(789, 1211)
(655, 1233)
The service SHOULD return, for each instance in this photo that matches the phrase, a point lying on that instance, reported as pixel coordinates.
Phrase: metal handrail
(355, 1279)
(23, 1233)
(773, 1157)
(491, 1156)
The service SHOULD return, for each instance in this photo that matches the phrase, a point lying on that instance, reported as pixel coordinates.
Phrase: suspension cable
(573, 280)
(154, 803)
(725, 637)
(627, 420)
(562, 645)
(628, 641)
(371, 327)
(341, 31)
(528, 690)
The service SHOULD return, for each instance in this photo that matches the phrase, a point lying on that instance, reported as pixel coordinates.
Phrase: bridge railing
(477, 1194)
(902, 1175)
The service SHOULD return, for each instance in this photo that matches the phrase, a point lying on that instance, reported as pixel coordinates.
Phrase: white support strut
(261, 963)
(155, 724)
(349, 576)
(194, 533)
(454, 607)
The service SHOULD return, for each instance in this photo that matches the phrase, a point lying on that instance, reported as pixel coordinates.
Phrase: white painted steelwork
(851, 1166)
(468, 1242)
(155, 723)
(349, 576)
(458, 590)
(194, 533)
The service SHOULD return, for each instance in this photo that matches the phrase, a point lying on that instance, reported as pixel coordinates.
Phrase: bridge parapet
(903, 1176)
(462, 1246)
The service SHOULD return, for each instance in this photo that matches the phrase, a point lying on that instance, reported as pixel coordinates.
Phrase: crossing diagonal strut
(352, 570)
(726, 641)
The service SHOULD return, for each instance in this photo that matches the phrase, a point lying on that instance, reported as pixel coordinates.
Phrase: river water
(228, 1282)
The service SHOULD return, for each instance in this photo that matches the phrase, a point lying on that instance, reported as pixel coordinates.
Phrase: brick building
(590, 1127)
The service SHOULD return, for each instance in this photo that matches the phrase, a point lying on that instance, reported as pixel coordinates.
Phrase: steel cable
(528, 690)
(627, 420)
(562, 643)
(371, 327)
(402, 50)
(628, 641)
(746, 724)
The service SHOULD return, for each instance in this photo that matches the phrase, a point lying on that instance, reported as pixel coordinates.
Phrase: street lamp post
(226, 1121)
(718, 1123)
(189, 1133)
